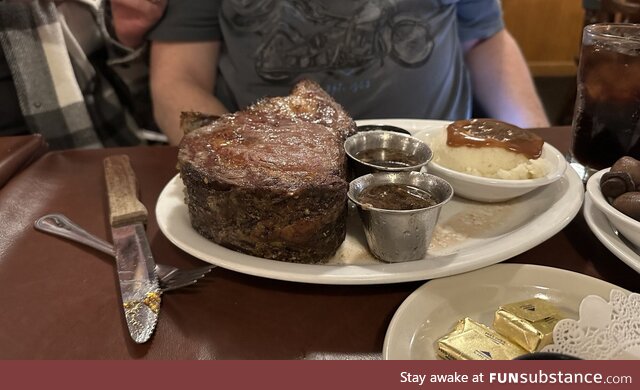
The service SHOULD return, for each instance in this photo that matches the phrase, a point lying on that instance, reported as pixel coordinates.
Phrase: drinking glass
(606, 120)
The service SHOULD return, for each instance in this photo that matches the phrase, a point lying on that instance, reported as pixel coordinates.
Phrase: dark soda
(606, 123)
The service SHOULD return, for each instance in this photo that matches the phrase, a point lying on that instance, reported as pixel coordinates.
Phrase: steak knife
(139, 287)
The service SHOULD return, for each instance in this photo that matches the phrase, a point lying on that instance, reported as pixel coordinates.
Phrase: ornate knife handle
(122, 190)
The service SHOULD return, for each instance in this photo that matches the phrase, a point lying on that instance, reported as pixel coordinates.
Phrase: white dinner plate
(469, 235)
(433, 309)
(600, 226)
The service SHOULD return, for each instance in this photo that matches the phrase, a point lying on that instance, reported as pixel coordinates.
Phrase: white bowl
(491, 190)
(629, 227)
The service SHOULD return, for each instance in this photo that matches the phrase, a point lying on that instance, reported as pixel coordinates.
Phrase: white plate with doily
(607, 329)
(433, 309)
(469, 235)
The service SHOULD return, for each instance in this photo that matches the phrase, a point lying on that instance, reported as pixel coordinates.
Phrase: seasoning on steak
(270, 180)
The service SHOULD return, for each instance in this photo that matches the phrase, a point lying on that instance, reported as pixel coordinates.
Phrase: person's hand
(133, 18)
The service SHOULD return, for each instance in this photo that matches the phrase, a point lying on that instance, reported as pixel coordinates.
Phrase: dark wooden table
(59, 300)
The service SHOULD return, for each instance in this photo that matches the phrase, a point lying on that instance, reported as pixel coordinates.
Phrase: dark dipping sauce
(388, 158)
(396, 197)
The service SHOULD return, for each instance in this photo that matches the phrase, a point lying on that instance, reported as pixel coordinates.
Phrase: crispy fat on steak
(270, 180)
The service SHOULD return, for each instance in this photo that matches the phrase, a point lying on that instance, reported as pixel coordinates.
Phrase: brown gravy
(396, 197)
(388, 158)
(491, 132)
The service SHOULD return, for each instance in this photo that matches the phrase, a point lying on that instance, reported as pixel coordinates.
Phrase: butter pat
(528, 323)
(470, 340)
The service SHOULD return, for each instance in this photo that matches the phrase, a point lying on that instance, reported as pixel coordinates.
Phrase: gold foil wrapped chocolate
(470, 340)
(528, 323)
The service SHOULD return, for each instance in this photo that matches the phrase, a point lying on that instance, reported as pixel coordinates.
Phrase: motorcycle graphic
(352, 42)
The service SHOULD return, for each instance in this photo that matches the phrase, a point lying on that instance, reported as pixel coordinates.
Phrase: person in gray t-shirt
(378, 58)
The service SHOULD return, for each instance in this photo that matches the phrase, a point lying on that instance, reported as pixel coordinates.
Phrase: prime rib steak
(271, 180)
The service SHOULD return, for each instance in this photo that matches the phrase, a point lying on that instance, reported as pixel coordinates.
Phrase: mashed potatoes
(493, 162)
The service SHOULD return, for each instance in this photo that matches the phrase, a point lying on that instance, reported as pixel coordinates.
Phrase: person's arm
(501, 81)
(183, 76)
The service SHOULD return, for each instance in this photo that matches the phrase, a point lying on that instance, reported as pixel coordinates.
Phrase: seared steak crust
(270, 181)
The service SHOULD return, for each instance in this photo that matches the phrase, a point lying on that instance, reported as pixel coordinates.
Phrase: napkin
(16, 153)
(605, 330)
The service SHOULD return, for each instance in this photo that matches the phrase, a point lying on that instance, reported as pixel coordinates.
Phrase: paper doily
(604, 331)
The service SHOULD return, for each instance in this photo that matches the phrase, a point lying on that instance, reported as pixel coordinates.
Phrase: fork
(169, 277)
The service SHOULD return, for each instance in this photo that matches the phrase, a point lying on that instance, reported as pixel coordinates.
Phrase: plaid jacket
(62, 94)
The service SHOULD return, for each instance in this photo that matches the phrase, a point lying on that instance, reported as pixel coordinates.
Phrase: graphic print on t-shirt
(301, 36)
